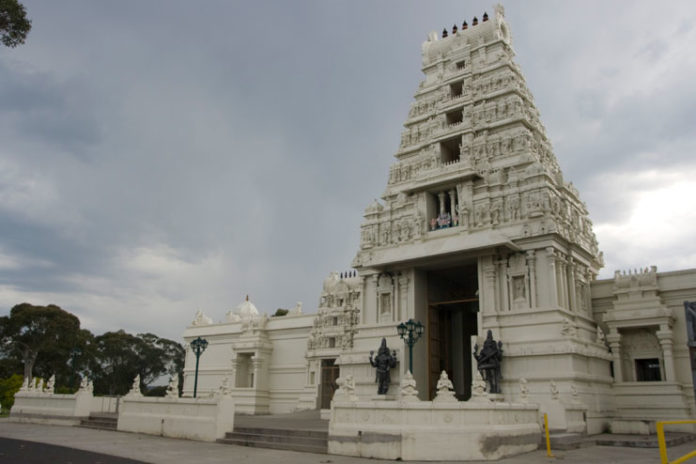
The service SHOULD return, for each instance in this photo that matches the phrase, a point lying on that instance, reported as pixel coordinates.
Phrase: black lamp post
(199, 345)
(410, 331)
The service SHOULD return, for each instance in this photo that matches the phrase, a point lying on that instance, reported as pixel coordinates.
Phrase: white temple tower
(478, 230)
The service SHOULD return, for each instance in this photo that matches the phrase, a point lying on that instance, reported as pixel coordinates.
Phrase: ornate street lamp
(198, 345)
(410, 331)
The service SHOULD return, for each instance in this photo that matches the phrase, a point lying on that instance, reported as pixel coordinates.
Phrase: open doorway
(452, 321)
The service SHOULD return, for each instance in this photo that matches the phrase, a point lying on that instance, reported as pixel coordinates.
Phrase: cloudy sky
(157, 157)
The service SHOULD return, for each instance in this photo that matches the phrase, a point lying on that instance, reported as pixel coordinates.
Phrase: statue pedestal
(496, 397)
(383, 398)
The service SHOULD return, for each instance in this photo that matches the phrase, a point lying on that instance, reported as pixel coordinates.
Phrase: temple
(477, 230)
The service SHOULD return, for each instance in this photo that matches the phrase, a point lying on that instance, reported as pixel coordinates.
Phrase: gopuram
(476, 233)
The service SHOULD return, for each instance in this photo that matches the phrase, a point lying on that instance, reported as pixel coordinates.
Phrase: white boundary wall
(194, 419)
(433, 431)
(49, 408)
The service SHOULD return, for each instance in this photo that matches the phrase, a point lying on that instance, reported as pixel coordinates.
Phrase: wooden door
(329, 375)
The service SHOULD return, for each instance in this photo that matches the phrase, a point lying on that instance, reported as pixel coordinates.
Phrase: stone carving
(201, 319)
(225, 389)
(524, 390)
(554, 390)
(135, 388)
(50, 385)
(173, 387)
(445, 389)
(383, 362)
(478, 388)
(346, 389)
(601, 337)
(297, 310)
(488, 361)
(407, 390)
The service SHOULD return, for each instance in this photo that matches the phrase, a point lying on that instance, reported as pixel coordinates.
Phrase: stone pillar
(614, 339)
(489, 304)
(552, 285)
(256, 364)
(664, 335)
(441, 197)
(403, 295)
(363, 298)
(563, 281)
(572, 294)
(452, 211)
(531, 265)
(503, 281)
(377, 309)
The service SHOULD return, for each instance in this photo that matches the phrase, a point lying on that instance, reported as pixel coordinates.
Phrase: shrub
(8, 388)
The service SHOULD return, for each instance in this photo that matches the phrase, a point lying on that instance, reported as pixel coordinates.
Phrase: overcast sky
(157, 157)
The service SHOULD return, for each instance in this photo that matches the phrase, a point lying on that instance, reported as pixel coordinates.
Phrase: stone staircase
(100, 421)
(308, 441)
(569, 441)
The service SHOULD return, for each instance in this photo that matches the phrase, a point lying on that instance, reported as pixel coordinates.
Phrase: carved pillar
(570, 272)
(441, 198)
(375, 278)
(614, 339)
(503, 281)
(403, 294)
(664, 335)
(531, 265)
(363, 299)
(452, 211)
(563, 282)
(552, 286)
(256, 363)
(489, 285)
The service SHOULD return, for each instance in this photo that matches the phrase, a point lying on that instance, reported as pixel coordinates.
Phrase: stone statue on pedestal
(383, 362)
(488, 361)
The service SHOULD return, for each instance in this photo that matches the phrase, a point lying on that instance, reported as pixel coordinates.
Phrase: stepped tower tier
(477, 230)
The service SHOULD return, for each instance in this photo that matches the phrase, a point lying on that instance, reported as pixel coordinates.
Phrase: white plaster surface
(195, 419)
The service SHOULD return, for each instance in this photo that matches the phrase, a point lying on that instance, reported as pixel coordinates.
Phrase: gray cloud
(157, 157)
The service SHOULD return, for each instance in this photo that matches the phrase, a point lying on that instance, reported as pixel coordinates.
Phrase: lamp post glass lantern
(410, 331)
(198, 345)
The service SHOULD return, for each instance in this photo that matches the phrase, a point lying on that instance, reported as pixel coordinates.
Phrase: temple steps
(101, 421)
(308, 441)
(569, 441)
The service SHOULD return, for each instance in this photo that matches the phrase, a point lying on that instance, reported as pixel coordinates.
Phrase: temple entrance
(452, 321)
(329, 374)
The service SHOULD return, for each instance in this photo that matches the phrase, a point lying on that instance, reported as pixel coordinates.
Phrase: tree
(43, 335)
(120, 356)
(14, 25)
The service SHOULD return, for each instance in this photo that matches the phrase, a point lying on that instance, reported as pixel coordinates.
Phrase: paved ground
(27, 452)
(157, 450)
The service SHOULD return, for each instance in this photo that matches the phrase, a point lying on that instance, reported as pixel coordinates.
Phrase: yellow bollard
(548, 439)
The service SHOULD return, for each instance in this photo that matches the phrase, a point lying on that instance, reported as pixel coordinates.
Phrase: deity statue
(488, 362)
(383, 362)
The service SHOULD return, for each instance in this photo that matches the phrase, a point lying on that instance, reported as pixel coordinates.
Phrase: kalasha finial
(485, 17)
(247, 297)
(444, 33)
(474, 22)
(454, 29)
(464, 26)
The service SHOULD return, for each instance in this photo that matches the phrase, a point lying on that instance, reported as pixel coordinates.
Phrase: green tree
(40, 335)
(14, 25)
(119, 357)
(8, 388)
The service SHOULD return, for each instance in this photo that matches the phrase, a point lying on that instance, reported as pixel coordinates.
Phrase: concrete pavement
(158, 450)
